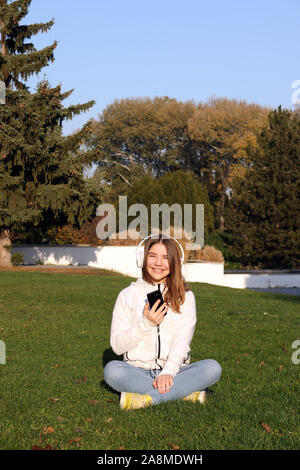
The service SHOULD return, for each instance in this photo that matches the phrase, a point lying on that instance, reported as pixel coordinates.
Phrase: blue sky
(188, 50)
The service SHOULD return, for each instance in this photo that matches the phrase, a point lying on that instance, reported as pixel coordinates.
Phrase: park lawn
(52, 395)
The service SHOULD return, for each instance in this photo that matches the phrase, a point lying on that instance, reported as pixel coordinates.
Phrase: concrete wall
(122, 259)
(261, 280)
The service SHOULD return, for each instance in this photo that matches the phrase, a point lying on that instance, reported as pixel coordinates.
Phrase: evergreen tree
(264, 213)
(19, 59)
(41, 176)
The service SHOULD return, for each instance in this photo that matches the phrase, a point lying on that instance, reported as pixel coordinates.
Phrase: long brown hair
(176, 285)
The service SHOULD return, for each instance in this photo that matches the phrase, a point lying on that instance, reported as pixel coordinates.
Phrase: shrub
(69, 235)
(17, 258)
(86, 235)
(210, 253)
(129, 241)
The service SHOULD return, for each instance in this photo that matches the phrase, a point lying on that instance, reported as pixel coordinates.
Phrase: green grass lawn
(56, 331)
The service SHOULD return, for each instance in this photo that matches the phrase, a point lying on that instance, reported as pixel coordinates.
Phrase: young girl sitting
(155, 342)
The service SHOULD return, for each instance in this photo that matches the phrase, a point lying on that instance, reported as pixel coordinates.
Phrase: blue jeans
(124, 377)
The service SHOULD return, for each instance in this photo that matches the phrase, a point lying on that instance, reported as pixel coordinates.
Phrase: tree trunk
(5, 256)
(224, 182)
(222, 202)
(221, 212)
(3, 52)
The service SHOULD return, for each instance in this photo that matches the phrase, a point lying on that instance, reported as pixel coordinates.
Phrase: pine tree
(19, 59)
(41, 175)
(264, 213)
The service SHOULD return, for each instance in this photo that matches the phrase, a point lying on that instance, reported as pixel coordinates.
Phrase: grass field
(56, 330)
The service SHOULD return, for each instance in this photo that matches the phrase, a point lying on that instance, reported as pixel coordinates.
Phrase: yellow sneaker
(199, 396)
(133, 401)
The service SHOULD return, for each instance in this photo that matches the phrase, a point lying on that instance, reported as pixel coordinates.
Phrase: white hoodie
(145, 345)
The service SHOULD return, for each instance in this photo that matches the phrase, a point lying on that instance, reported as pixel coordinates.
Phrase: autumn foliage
(86, 235)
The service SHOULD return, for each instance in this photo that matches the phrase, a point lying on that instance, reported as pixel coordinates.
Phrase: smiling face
(157, 264)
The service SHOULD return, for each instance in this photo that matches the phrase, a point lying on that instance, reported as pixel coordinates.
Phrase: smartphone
(153, 297)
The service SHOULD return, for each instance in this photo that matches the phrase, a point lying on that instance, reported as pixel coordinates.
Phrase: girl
(155, 342)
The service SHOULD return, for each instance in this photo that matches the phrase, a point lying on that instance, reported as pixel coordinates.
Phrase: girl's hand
(156, 317)
(163, 383)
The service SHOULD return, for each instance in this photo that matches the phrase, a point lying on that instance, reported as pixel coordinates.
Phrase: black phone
(153, 297)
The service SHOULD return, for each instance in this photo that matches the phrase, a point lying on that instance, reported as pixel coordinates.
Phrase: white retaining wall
(122, 259)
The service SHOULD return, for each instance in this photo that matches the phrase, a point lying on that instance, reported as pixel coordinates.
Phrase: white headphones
(140, 250)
